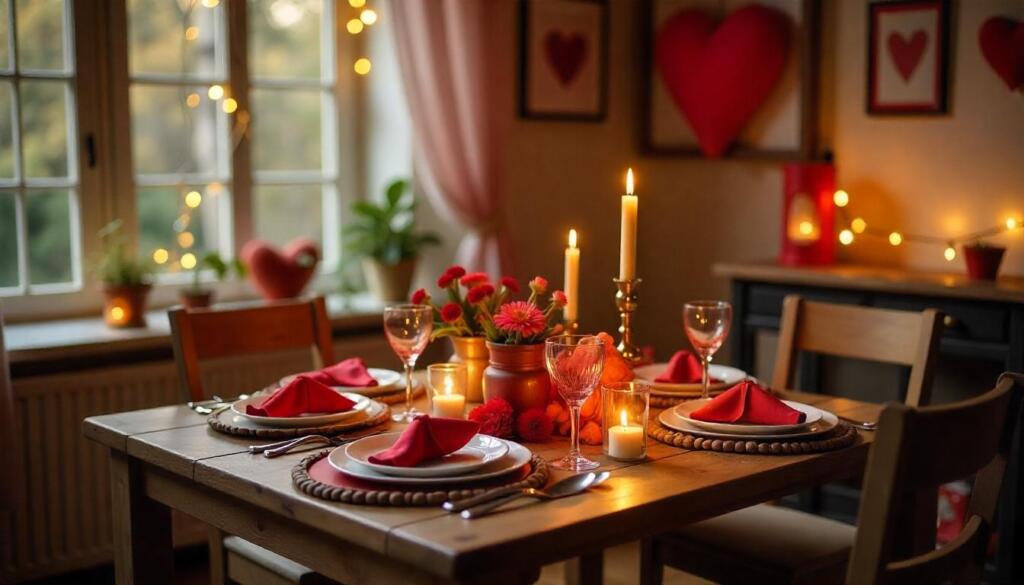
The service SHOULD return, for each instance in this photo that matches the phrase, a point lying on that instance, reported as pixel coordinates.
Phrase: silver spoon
(860, 424)
(569, 486)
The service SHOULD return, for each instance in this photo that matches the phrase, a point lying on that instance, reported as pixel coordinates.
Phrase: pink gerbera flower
(474, 278)
(520, 317)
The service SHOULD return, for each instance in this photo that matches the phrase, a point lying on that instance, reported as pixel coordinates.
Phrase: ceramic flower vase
(983, 261)
(471, 351)
(517, 374)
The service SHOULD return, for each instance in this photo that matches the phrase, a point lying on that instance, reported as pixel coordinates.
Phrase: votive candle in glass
(447, 384)
(625, 409)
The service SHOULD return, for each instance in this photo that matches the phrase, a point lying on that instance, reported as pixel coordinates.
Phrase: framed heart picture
(908, 57)
(730, 78)
(563, 59)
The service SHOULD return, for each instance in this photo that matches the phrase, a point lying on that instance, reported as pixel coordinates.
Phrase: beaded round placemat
(399, 396)
(842, 436)
(226, 421)
(342, 488)
(670, 401)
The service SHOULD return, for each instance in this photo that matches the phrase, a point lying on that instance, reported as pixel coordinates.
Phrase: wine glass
(408, 330)
(707, 325)
(575, 363)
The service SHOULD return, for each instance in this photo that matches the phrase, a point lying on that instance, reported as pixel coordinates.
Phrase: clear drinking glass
(707, 325)
(408, 329)
(575, 363)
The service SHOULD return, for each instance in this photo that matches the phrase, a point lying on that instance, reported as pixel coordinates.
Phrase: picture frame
(563, 60)
(784, 128)
(908, 57)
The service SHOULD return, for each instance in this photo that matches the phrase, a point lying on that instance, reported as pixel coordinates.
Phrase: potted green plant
(195, 296)
(125, 279)
(384, 237)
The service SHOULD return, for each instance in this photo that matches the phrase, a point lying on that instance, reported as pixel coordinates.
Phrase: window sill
(30, 346)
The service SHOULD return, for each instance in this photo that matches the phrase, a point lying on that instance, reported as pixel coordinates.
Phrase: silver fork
(272, 450)
(864, 425)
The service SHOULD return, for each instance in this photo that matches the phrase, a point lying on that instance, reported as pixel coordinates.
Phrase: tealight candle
(448, 389)
(625, 406)
(626, 441)
(448, 405)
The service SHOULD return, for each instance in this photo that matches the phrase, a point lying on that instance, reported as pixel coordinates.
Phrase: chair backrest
(920, 449)
(880, 335)
(201, 334)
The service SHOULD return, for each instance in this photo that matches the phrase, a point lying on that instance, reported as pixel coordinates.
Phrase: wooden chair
(771, 544)
(202, 334)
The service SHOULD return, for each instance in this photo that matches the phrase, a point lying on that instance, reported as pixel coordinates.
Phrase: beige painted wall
(934, 175)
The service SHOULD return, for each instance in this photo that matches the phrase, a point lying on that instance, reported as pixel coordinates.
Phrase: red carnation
(451, 312)
(510, 283)
(479, 293)
(474, 278)
(535, 426)
(558, 297)
(420, 297)
(494, 417)
(450, 275)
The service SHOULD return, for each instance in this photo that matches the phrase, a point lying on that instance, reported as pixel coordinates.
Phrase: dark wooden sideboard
(983, 335)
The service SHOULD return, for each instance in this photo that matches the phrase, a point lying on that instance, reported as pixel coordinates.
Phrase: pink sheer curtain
(457, 60)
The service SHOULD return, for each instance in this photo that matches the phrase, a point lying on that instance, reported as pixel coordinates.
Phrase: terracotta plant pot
(983, 261)
(389, 282)
(517, 374)
(196, 299)
(125, 306)
(471, 351)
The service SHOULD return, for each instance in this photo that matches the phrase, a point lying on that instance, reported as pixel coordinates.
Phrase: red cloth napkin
(747, 402)
(351, 372)
(427, 438)
(683, 368)
(301, 396)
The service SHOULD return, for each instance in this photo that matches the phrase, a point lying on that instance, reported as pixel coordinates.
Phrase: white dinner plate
(811, 414)
(515, 459)
(728, 375)
(479, 451)
(303, 420)
(670, 419)
(388, 381)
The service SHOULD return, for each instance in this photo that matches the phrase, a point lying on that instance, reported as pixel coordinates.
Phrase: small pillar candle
(626, 441)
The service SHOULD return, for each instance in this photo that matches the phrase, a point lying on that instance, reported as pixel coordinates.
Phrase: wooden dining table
(169, 458)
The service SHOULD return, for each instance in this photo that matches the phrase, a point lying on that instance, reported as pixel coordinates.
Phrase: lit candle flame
(622, 417)
(629, 181)
(572, 238)
(448, 386)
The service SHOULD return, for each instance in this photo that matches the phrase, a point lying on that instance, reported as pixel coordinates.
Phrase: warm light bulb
(354, 26)
(357, 3)
(858, 225)
(117, 314)
(629, 181)
(895, 238)
(192, 100)
(191, 33)
(949, 253)
(214, 188)
(841, 198)
(362, 66)
(188, 261)
(229, 105)
(160, 255)
(846, 237)
(572, 238)
(215, 92)
(1012, 223)
(186, 239)
(368, 16)
(211, 3)
(806, 228)
(193, 199)
(623, 419)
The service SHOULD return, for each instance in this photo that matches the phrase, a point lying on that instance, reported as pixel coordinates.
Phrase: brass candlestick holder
(572, 327)
(627, 302)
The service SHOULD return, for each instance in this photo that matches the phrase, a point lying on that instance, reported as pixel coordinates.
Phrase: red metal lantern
(808, 214)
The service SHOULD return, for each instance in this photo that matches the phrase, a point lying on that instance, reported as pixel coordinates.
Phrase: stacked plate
(484, 457)
(726, 377)
(817, 421)
(363, 406)
(388, 382)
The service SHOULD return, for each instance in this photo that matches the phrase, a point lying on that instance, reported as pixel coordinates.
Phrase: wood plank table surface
(168, 457)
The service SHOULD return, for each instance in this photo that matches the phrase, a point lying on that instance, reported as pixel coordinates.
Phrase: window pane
(8, 241)
(169, 136)
(285, 212)
(5, 35)
(286, 129)
(167, 222)
(49, 236)
(284, 39)
(41, 34)
(44, 128)
(175, 37)
(6, 129)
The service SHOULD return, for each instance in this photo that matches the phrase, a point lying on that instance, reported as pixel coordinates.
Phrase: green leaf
(395, 190)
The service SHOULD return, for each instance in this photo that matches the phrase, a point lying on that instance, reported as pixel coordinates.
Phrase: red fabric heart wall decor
(719, 78)
(1002, 43)
(281, 275)
(907, 54)
(566, 54)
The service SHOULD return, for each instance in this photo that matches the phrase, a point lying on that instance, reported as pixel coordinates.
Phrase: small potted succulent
(983, 260)
(384, 237)
(194, 296)
(125, 279)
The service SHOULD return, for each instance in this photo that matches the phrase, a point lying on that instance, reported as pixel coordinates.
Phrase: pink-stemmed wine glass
(575, 363)
(408, 329)
(707, 325)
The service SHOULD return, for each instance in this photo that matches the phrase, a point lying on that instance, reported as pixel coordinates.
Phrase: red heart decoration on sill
(566, 54)
(907, 54)
(1002, 44)
(281, 275)
(719, 78)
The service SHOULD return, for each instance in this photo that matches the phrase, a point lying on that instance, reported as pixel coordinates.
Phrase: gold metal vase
(471, 351)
